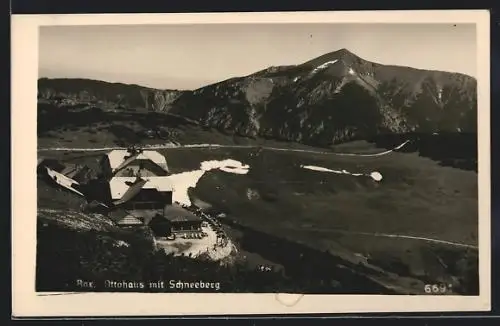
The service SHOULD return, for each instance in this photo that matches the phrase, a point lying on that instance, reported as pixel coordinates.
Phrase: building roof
(128, 216)
(64, 181)
(118, 215)
(118, 157)
(118, 186)
(176, 213)
(121, 216)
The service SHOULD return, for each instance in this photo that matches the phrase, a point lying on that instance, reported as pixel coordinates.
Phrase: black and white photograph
(309, 158)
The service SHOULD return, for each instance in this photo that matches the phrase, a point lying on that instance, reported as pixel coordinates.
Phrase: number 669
(435, 288)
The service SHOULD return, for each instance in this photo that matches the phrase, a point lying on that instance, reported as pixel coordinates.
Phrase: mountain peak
(342, 54)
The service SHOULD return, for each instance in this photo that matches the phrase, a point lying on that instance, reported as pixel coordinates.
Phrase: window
(141, 206)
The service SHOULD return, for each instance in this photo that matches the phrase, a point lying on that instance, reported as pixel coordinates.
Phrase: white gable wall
(118, 156)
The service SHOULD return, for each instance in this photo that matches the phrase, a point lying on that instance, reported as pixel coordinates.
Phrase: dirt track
(166, 146)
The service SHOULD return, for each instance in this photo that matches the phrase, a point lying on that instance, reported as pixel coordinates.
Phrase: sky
(192, 56)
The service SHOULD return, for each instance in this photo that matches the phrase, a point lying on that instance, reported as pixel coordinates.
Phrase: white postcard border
(24, 70)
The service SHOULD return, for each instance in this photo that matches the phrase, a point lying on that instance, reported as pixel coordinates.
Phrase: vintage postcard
(250, 163)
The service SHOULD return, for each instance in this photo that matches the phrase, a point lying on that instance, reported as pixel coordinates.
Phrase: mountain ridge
(329, 99)
(295, 103)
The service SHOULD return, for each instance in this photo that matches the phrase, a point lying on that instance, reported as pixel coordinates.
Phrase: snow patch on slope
(183, 181)
(323, 66)
(374, 175)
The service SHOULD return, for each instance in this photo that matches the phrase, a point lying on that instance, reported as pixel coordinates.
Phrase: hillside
(90, 247)
(334, 98)
(330, 99)
(330, 232)
(101, 93)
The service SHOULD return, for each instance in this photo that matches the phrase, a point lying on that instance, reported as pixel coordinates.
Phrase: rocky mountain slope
(333, 98)
(96, 92)
(330, 99)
